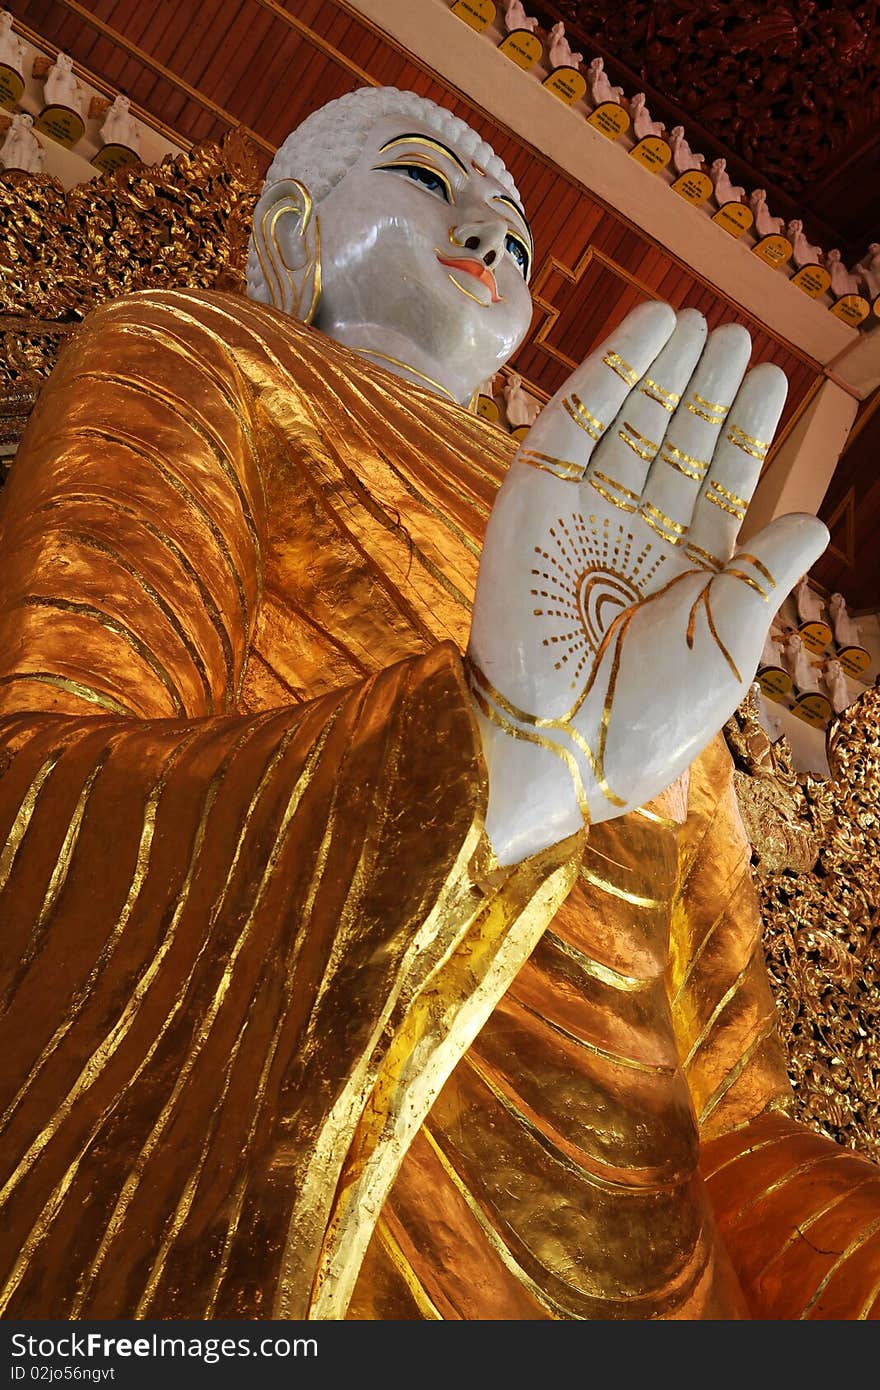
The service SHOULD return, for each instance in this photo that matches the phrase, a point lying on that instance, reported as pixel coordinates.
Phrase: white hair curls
(321, 150)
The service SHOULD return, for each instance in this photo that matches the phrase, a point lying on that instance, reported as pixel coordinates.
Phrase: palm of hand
(615, 628)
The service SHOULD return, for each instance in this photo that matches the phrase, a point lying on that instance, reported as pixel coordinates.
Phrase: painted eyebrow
(500, 198)
(413, 139)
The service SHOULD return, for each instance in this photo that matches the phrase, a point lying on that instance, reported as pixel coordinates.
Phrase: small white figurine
(515, 17)
(834, 681)
(12, 49)
(520, 407)
(119, 126)
(641, 118)
(560, 53)
(600, 87)
(802, 252)
(725, 191)
(21, 149)
(769, 720)
(846, 629)
(798, 664)
(683, 157)
(765, 223)
(61, 87)
(809, 604)
(842, 282)
(869, 270)
(770, 650)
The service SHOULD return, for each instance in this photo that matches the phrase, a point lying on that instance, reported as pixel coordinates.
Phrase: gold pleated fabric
(342, 1068)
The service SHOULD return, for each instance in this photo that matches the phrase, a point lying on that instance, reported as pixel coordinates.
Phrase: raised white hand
(615, 624)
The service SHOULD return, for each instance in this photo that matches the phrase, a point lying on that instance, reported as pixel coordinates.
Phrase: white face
(417, 242)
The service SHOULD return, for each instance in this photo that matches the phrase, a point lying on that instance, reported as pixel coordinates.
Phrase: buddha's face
(420, 244)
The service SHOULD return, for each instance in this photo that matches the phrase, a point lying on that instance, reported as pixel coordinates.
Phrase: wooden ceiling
(788, 91)
(262, 65)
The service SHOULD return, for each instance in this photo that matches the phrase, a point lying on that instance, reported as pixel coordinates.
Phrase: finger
(620, 463)
(677, 474)
(572, 423)
(736, 466)
(744, 596)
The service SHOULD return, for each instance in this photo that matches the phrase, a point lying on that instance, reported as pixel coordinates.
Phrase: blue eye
(434, 183)
(519, 253)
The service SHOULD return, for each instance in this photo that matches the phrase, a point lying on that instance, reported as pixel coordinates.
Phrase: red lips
(477, 269)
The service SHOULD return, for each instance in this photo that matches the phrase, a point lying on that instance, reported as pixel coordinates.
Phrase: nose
(485, 238)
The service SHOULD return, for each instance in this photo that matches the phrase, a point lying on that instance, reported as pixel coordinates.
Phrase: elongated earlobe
(287, 238)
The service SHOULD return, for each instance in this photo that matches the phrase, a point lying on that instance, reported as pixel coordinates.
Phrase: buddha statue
(379, 934)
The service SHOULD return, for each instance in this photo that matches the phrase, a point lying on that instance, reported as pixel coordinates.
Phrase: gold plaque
(694, 186)
(734, 217)
(62, 124)
(775, 684)
(774, 249)
(479, 14)
(520, 432)
(11, 86)
(652, 152)
(522, 48)
(488, 408)
(567, 84)
(814, 280)
(610, 118)
(815, 636)
(854, 660)
(813, 708)
(114, 157)
(852, 308)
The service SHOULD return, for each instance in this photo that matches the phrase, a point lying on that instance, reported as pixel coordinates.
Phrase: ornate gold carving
(181, 224)
(816, 859)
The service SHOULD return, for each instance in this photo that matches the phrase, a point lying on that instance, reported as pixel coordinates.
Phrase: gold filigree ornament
(181, 224)
(295, 286)
(816, 862)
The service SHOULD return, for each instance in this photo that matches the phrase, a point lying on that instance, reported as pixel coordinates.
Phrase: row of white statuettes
(20, 147)
(862, 280)
(824, 657)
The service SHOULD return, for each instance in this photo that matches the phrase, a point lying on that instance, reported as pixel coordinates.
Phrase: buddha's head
(394, 228)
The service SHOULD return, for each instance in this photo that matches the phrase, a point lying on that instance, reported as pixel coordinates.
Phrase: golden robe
(278, 1039)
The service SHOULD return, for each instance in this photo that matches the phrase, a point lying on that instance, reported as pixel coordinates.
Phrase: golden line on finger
(621, 368)
(746, 579)
(664, 520)
(645, 448)
(655, 392)
(717, 407)
(731, 496)
(664, 536)
(701, 464)
(713, 419)
(582, 417)
(744, 441)
(564, 467)
(609, 496)
(545, 468)
(612, 482)
(705, 558)
(759, 566)
(731, 511)
(696, 475)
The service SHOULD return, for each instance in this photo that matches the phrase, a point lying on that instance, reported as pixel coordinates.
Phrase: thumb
(755, 581)
(787, 547)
